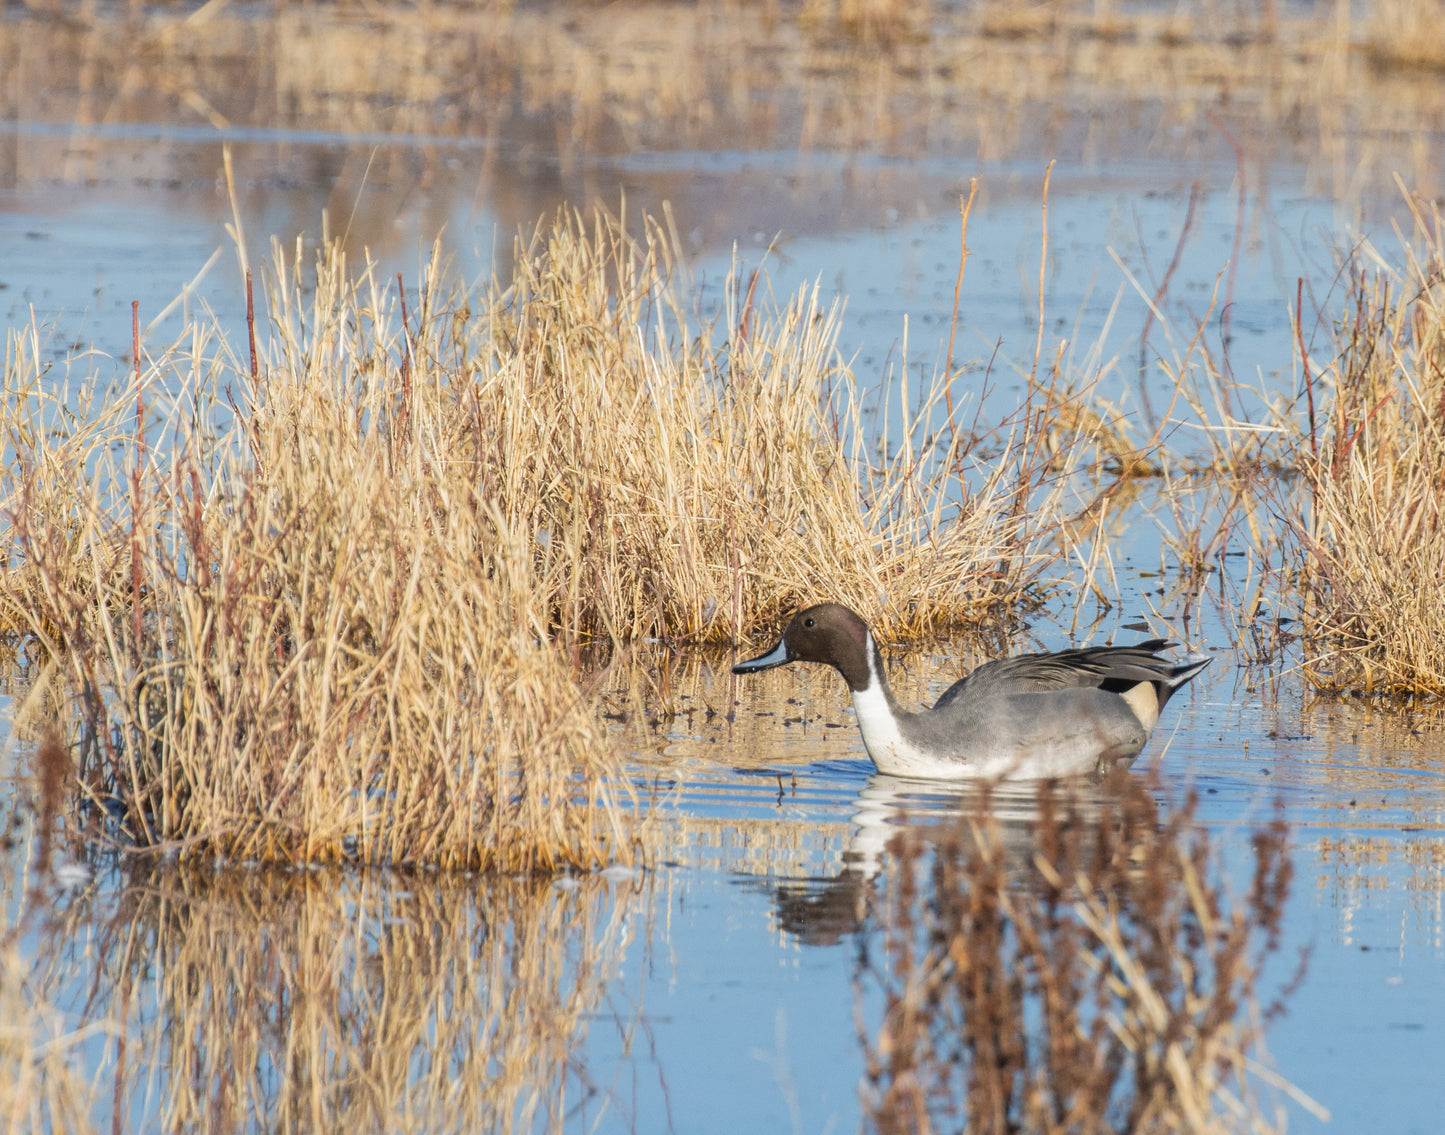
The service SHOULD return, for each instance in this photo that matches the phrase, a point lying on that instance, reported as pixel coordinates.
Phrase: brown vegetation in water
(41, 1086)
(324, 602)
(1373, 538)
(988, 81)
(315, 1000)
(42, 1083)
(697, 483)
(1096, 980)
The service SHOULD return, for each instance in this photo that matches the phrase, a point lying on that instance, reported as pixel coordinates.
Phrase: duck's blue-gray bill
(775, 657)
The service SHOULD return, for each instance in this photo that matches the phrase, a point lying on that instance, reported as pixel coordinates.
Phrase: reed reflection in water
(338, 1001)
(1071, 960)
(1089, 970)
(1065, 959)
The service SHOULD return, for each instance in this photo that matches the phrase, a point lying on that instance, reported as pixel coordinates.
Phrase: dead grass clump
(1373, 546)
(696, 483)
(319, 641)
(319, 604)
(1113, 990)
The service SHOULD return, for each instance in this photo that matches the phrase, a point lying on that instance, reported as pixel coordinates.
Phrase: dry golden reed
(1372, 542)
(288, 624)
(697, 483)
(322, 599)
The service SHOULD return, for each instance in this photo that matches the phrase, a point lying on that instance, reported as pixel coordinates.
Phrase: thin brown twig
(1227, 309)
(1305, 363)
(251, 327)
(1195, 192)
(140, 445)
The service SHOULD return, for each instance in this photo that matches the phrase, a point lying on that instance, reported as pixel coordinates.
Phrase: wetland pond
(733, 984)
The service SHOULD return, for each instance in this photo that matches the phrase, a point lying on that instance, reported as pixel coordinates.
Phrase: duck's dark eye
(807, 622)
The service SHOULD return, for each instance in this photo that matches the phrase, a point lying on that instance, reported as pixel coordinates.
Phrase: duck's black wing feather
(1106, 667)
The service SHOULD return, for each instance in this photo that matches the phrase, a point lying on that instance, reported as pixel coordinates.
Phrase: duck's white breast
(889, 750)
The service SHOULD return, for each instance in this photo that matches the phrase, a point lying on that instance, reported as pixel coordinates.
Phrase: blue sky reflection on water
(79, 258)
(1366, 903)
(728, 994)
(719, 1017)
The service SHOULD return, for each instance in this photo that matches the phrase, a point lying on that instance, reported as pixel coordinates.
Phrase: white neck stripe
(881, 736)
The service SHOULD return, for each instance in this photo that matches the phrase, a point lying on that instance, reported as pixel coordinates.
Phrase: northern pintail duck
(1034, 715)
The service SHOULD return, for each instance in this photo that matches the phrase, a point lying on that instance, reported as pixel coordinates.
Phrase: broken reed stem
(1033, 433)
(136, 472)
(745, 319)
(251, 328)
(406, 341)
(1299, 312)
(965, 207)
(1226, 311)
(1043, 277)
(1195, 192)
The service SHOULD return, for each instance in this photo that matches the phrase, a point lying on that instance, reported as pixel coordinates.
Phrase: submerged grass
(41, 1087)
(328, 601)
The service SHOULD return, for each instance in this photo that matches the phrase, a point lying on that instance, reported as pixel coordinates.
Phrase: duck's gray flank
(1033, 715)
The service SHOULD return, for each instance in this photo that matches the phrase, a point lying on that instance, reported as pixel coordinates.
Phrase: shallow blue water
(1361, 1035)
(723, 993)
(721, 990)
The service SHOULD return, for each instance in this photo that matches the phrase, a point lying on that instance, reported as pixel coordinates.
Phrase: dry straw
(1372, 545)
(696, 483)
(325, 602)
(288, 625)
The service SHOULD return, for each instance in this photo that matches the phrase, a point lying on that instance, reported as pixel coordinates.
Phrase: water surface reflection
(249, 999)
(762, 952)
